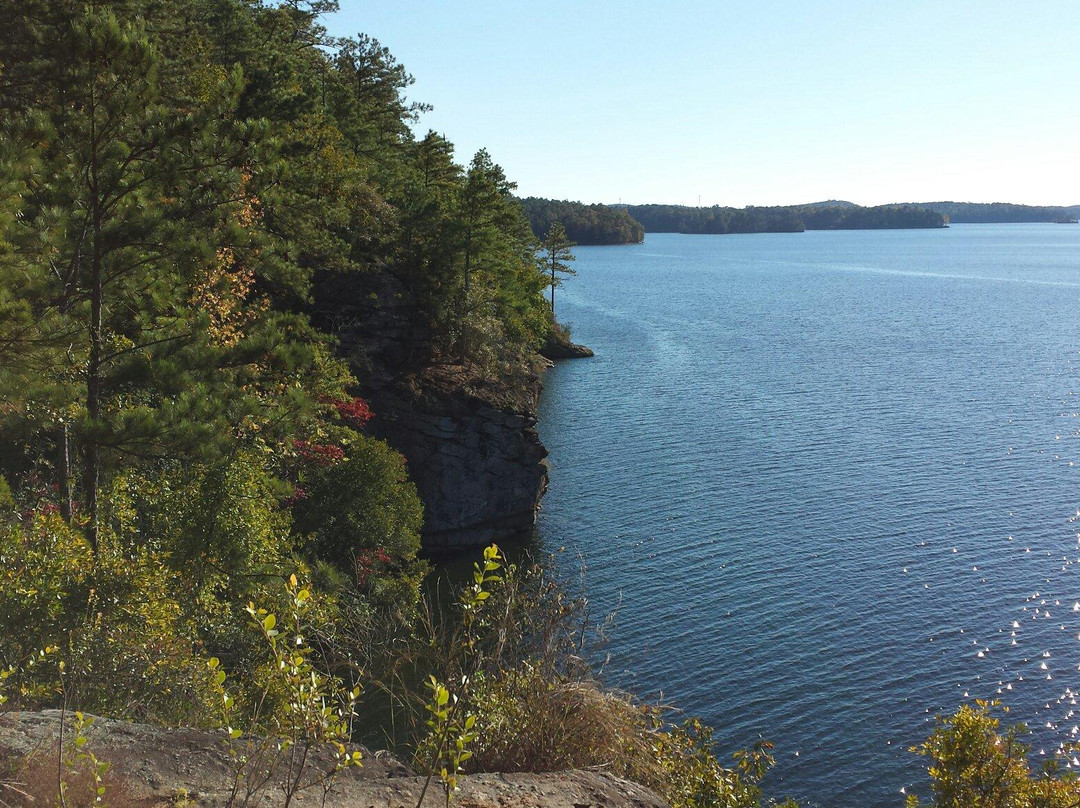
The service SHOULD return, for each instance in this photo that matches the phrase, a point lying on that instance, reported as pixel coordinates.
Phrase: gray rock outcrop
(558, 346)
(478, 464)
(152, 767)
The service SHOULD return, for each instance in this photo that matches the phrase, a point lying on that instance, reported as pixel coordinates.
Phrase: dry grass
(33, 781)
(536, 720)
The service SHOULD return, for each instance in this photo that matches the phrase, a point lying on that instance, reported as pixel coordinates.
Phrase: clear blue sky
(750, 103)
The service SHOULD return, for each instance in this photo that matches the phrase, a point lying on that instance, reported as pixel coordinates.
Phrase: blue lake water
(827, 480)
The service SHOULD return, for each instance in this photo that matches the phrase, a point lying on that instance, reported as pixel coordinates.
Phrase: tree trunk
(91, 451)
(63, 468)
(553, 287)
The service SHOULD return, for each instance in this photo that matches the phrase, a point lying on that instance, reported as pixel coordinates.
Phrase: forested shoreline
(718, 220)
(598, 224)
(586, 225)
(1002, 212)
(627, 224)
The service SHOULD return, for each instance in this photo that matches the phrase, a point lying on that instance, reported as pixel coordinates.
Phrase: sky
(749, 103)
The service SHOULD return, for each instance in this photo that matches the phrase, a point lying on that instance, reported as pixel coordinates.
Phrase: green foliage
(364, 515)
(557, 254)
(300, 709)
(121, 636)
(212, 521)
(171, 178)
(81, 759)
(693, 777)
(7, 500)
(975, 762)
(451, 720)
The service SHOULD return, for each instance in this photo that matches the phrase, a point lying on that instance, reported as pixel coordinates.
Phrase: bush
(529, 720)
(973, 761)
(536, 707)
(211, 520)
(364, 515)
(126, 650)
(7, 501)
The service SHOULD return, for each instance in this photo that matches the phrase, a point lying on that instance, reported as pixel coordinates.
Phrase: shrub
(973, 761)
(532, 720)
(365, 516)
(528, 701)
(126, 649)
(211, 520)
(7, 501)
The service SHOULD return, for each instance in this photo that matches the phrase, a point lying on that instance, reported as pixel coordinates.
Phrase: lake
(827, 480)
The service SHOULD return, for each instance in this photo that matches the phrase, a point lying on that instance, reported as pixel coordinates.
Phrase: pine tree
(557, 252)
(144, 258)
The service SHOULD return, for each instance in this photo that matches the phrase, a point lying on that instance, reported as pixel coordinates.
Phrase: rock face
(151, 767)
(470, 442)
(558, 346)
(564, 349)
(477, 461)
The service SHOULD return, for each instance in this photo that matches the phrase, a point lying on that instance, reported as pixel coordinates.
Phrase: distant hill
(828, 203)
(782, 219)
(1002, 212)
(584, 224)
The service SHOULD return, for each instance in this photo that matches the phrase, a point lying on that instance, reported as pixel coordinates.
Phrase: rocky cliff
(151, 767)
(470, 441)
(475, 457)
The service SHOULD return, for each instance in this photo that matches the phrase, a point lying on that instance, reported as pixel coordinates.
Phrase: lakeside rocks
(154, 767)
(558, 346)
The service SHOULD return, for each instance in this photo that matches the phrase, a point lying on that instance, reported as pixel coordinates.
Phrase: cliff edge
(152, 767)
(470, 440)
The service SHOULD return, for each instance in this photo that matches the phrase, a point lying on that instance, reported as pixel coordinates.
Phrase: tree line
(1002, 212)
(584, 224)
(783, 219)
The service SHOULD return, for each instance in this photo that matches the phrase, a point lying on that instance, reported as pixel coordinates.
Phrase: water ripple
(826, 481)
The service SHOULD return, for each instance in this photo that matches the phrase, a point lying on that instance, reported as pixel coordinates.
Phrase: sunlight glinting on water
(827, 479)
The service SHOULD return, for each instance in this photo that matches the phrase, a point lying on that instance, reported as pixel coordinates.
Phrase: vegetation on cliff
(176, 437)
(196, 524)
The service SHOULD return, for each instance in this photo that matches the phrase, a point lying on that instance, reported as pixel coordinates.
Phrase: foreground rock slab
(152, 766)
